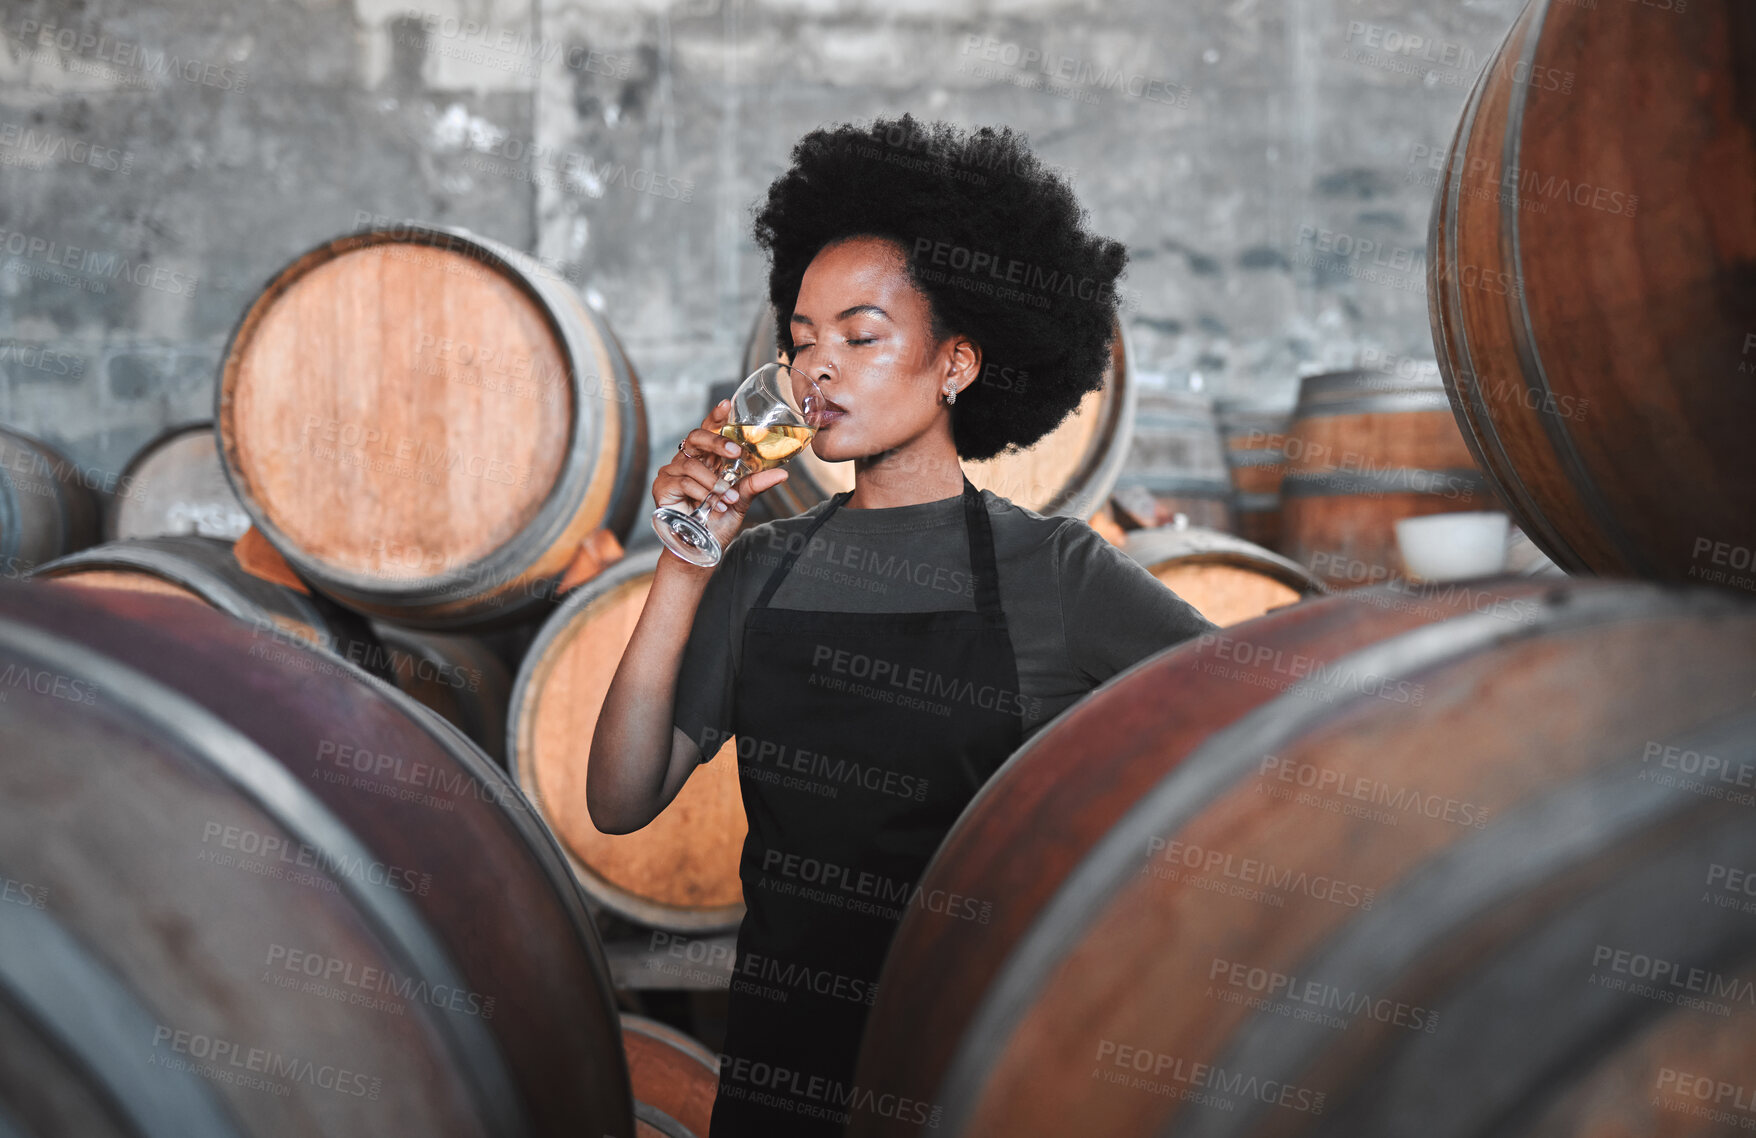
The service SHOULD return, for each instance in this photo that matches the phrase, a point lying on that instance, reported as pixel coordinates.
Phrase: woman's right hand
(684, 481)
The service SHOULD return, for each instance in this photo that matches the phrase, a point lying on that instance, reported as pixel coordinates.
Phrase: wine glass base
(686, 537)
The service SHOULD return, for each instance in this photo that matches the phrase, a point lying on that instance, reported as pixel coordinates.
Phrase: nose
(820, 370)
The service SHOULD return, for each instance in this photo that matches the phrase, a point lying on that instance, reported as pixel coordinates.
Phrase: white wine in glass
(775, 411)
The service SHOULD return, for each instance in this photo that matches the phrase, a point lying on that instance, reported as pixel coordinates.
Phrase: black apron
(861, 737)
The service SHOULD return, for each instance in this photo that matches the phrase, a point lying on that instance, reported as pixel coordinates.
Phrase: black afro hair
(992, 237)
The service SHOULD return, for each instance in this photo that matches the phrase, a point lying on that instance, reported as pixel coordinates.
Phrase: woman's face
(863, 331)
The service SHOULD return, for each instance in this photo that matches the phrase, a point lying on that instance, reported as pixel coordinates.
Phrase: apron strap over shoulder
(792, 554)
(982, 563)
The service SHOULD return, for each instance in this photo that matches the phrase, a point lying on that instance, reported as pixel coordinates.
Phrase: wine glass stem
(731, 475)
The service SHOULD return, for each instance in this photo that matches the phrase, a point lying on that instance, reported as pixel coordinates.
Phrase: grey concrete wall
(159, 160)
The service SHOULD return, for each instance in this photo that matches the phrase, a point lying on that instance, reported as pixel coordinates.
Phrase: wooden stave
(1084, 493)
(123, 520)
(672, 1075)
(564, 1078)
(206, 568)
(1566, 608)
(1507, 359)
(619, 899)
(601, 480)
(32, 532)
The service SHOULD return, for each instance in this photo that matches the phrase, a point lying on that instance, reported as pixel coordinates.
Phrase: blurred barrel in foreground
(1226, 578)
(1254, 436)
(202, 569)
(1592, 300)
(1176, 457)
(675, 1079)
(1069, 471)
(679, 871)
(46, 509)
(1376, 865)
(277, 892)
(427, 425)
(1365, 449)
(176, 485)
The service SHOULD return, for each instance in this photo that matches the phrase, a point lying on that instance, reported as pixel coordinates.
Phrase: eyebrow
(845, 313)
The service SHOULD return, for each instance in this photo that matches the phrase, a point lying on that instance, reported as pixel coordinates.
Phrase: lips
(829, 413)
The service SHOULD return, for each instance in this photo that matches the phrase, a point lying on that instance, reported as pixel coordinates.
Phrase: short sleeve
(1115, 612)
(702, 708)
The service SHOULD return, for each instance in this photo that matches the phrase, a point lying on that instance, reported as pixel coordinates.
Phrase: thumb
(773, 476)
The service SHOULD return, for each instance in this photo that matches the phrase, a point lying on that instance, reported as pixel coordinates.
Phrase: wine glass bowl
(775, 411)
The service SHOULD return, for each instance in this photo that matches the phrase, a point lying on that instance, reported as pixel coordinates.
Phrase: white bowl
(1449, 547)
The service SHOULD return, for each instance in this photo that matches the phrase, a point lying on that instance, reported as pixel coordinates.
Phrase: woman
(880, 655)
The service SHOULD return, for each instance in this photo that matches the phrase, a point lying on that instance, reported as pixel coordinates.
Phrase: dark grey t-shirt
(1078, 609)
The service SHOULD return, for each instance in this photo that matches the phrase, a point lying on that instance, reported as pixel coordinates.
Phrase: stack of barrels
(1321, 483)
(422, 430)
(336, 913)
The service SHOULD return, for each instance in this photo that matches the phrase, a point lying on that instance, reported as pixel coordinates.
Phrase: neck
(924, 469)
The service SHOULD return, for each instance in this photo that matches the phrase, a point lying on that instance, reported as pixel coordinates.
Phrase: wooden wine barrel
(427, 425)
(1365, 449)
(1227, 579)
(679, 871)
(274, 874)
(1176, 456)
(460, 677)
(1254, 436)
(176, 485)
(1422, 806)
(1069, 471)
(46, 509)
(202, 569)
(1591, 300)
(675, 1079)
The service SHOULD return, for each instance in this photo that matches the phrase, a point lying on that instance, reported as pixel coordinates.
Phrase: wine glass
(775, 411)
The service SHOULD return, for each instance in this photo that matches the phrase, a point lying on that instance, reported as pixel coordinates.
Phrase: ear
(963, 363)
